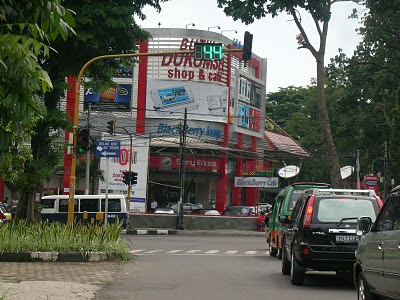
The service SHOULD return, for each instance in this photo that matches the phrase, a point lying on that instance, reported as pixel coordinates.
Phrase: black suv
(377, 267)
(321, 233)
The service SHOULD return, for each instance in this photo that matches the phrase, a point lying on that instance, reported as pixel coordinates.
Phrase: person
(153, 205)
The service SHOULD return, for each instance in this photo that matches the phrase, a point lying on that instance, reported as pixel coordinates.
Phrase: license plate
(347, 238)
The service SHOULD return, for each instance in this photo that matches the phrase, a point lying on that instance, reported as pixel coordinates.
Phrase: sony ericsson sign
(199, 132)
(257, 182)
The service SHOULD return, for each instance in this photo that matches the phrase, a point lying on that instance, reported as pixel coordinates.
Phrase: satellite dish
(288, 171)
(346, 171)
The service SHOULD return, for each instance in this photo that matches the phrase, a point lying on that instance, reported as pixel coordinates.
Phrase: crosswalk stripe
(250, 252)
(212, 252)
(174, 251)
(231, 252)
(135, 251)
(153, 251)
(192, 251)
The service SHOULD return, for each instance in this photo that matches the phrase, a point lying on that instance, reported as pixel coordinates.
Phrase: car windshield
(334, 210)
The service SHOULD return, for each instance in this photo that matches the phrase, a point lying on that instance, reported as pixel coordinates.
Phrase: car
(187, 207)
(321, 232)
(5, 213)
(239, 211)
(283, 205)
(164, 211)
(376, 271)
(264, 207)
(205, 212)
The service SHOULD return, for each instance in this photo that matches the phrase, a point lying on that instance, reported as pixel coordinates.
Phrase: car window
(48, 203)
(385, 221)
(63, 205)
(296, 194)
(334, 209)
(297, 210)
(396, 221)
(89, 205)
(114, 205)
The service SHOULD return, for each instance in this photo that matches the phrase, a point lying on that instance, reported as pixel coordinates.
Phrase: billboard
(258, 182)
(250, 92)
(248, 117)
(203, 101)
(140, 157)
(114, 99)
(171, 162)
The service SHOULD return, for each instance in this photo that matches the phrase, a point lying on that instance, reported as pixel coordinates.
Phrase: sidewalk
(158, 231)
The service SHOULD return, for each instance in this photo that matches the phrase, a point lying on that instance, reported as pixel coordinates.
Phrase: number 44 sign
(208, 51)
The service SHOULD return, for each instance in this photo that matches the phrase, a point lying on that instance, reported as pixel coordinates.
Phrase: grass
(57, 237)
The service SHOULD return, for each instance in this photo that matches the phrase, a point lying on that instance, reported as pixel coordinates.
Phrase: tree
(320, 12)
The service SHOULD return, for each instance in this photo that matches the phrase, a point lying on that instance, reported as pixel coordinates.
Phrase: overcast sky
(274, 39)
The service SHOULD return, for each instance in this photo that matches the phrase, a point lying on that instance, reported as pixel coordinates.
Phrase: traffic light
(134, 178)
(126, 177)
(247, 45)
(111, 127)
(83, 141)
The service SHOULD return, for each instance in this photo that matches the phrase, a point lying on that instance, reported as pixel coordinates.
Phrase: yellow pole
(72, 180)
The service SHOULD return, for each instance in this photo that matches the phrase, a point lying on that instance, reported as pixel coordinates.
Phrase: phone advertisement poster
(113, 99)
(203, 101)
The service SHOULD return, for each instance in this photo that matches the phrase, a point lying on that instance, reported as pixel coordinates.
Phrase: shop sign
(195, 163)
(258, 173)
(248, 117)
(166, 129)
(371, 183)
(258, 182)
(114, 99)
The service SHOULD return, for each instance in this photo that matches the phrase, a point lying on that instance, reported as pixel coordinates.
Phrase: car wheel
(363, 292)
(285, 263)
(296, 273)
(272, 251)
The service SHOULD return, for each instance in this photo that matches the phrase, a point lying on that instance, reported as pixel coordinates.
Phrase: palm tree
(94, 172)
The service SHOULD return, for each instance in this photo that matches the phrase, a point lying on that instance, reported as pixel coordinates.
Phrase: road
(210, 267)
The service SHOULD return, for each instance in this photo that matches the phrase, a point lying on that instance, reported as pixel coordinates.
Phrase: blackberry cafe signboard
(257, 182)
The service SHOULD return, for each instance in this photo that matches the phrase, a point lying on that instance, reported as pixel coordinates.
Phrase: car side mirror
(364, 225)
(283, 219)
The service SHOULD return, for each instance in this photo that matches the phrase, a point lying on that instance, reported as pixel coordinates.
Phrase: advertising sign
(258, 182)
(140, 152)
(194, 163)
(371, 183)
(250, 92)
(203, 101)
(114, 99)
(248, 118)
(258, 173)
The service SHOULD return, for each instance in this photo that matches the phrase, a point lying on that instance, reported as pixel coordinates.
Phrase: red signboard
(371, 183)
(194, 163)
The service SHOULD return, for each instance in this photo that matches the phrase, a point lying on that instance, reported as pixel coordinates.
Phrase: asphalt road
(208, 267)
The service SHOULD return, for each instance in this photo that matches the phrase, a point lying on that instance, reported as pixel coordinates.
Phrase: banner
(248, 117)
(196, 163)
(114, 99)
(140, 157)
(258, 182)
(203, 101)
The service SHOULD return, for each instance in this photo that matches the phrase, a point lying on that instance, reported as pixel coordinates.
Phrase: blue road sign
(108, 148)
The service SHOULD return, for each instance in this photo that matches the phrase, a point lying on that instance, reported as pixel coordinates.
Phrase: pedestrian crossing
(199, 252)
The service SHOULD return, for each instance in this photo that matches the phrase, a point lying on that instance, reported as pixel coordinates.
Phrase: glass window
(63, 205)
(334, 209)
(297, 210)
(396, 221)
(296, 194)
(48, 203)
(114, 205)
(385, 220)
(89, 205)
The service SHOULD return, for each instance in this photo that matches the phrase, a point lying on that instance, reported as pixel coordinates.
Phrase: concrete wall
(137, 221)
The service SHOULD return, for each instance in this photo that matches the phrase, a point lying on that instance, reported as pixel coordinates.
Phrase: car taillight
(309, 213)
(379, 201)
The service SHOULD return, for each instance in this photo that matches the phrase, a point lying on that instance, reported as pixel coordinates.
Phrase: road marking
(267, 252)
(153, 251)
(231, 252)
(250, 252)
(174, 251)
(192, 251)
(212, 252)
(135, 251)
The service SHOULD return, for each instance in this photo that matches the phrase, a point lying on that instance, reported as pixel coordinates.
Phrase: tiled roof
(283, 143)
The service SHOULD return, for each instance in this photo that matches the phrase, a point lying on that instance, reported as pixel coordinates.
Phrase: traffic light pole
(88, 153)
(72, 180)
(182, 144)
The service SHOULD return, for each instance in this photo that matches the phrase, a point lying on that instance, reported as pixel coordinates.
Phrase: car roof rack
(311, 183)
(318, 192)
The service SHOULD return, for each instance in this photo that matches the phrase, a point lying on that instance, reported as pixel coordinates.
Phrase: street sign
(257, 173)
(108, 148)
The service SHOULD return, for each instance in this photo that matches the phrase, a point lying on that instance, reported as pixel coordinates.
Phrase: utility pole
(358, 170)
(385, 179)
(88, 152)
(182, 144)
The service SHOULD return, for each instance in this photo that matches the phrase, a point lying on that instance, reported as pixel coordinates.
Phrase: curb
(24, 256)
(152, 232)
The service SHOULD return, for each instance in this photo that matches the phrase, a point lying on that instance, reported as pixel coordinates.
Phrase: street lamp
(228, 31)
(190, 24)
(214, 27)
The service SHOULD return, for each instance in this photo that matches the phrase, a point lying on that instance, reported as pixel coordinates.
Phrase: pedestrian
(153, 205)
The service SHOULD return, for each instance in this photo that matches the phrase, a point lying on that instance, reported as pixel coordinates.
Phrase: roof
(283, 143)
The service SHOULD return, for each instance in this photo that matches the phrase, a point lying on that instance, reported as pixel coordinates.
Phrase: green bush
(57, 237)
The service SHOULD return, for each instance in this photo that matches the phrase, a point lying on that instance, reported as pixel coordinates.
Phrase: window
(396, 221)
(89, 205)
(334, 209)
(296, 194)
(114, 205)
(63, 205)
(297, 210)
(385, 221)
(48, 203)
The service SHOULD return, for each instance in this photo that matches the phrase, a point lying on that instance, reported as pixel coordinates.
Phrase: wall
(137, 221)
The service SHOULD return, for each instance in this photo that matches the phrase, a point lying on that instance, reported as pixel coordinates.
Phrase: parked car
(205, 212)
(164, 211)
(239, 211)
(283, 205)
(264, 207)
(377, 266)
(321, 232)
(187, 207)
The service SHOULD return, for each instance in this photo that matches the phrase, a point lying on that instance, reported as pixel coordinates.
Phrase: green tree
(320, 12)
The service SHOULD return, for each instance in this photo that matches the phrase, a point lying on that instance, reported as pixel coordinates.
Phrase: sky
(273, 38)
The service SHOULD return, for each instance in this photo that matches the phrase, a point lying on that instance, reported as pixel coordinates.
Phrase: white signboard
(258, 182)
(140, 158)
(203, 101)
